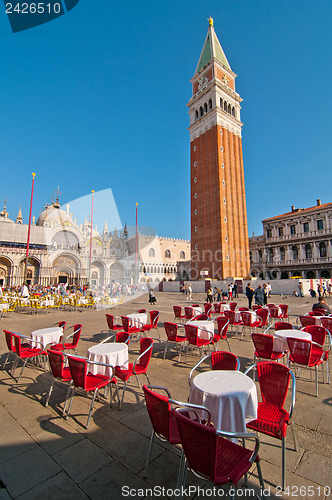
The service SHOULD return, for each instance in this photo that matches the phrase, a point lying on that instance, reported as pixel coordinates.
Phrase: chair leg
(181, 472)
(294, 436)
(49, 393)
(165, 349)
(67, 397)
(316, 372)
(147, 378)
(4, 366)
(261, 480)
(15, 363)
(123, 392)
(283, 462)
(91, 407)
(71, 400)
(229, 347)
(19, 378)
(149, 454)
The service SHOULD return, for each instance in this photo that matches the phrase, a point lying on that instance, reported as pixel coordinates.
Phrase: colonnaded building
(59, 251)
(297, 243)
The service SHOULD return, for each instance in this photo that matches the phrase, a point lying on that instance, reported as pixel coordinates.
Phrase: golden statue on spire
(210, 21)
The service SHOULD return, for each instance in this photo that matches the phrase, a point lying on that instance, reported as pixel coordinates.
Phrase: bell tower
(219, 232)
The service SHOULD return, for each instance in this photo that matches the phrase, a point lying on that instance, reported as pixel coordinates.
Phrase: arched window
(229, 109)
(182, 255)
(221, 102)
(270, 254)
(282, 253)
(201, 111)
(196, 115)
(322, 249)
(210, 103)
(167, 254)
(152, 253)
(295, 252)
(148, 270)
(233, 111)
(225, 106)
(205, 107)
(308, 251)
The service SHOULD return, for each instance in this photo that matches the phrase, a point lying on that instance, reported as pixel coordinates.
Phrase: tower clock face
(225, 80)
(202, 81)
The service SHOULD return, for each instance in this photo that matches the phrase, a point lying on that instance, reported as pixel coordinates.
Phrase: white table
(115, 354)
(281, 336)
(230, 396)
(224, 307)
(202, 326)
(138, 319)
(47, 336)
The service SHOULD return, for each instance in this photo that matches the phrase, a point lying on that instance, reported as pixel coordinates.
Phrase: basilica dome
(53, 216)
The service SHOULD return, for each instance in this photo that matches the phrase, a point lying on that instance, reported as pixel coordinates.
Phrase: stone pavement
(44, 456)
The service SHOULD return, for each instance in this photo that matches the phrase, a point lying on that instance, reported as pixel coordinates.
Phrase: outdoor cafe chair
(69, 346)
(272, 417)
(230, 315)
(306, 353)
(189, 313)
(110, 319)
(154, 317)
(25, 351)
(122, 337)
(232, 306)
(318, 336)
(220, 360)
(222, 325)
(306, 321)
(139, 366)
(60, 372)
(132, 330)
(285, 311)
(283, 325)
(171, 330)
(195, 340)
(208, 308)
(178, 314)
(210, 454)
(264, 344)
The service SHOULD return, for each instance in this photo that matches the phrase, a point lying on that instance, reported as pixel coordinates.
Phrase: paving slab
(60, 487)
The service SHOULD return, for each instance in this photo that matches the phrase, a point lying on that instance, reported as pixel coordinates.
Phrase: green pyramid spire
(212, 49)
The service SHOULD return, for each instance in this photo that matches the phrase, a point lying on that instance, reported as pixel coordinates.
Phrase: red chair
(255, 307)
(283, 325)
(326, 322)
(230, 315)
(270, 305)
(222, 324)
(83, 379)
(264, 347)
(25, 351)
(142, 311)
(317, 312)
(200, 317)
(245, 309)
(220, 360)
(178, 313)
(263, 314)
(11, 348)
(111, 325)
(217, 308)
(306, 320)
(232, 306)
(122, 337)
(171, 330)
(302, 354)
(69, 346)
(318, 336)
(210, 455)
(285, 311)
(131, 330)
(275, 313)
(139, 367)
(195, 305)
(154, 317)
(189, 313)
(248, 321)
(196, 341)
(208, 309)
(59, 372)
(273, 419)
(161, 412)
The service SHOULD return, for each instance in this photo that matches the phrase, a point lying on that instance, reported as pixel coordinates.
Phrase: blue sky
(96, 99)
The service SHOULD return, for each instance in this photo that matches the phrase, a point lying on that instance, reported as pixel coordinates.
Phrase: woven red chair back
(307, 321)
(154, 317)
(217, 307)
(192, 333)
(201, 317)
(244, 309)
(145, 343)
(125, 323)
(300, 350)
(142, 311)
(283, 325)
(62, 324)
(274, 381)
(230, 315)
(317, 312)
(274, 312)
(17, 342)
(318, 333)
(223, 360)
(78, 367)
(208, 308)
(222, 323)
(9, 340)
(77, 334)
(232, 306)
(56, 360)
(285, 309)
(263, 344)
(177, 311)
(270, 305)
(263, 314)
(171, 330)
(122, 337)
(189, 312)
(159, 410)
(246, 318)
(110, 321)
(327, 323)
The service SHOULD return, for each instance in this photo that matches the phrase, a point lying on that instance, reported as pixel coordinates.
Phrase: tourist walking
(235, 291)
(190, 292)
(230, 292)
(259, 296)
(209, 295)
(250, 294)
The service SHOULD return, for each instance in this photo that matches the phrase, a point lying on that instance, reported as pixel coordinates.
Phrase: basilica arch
(66, 269)
(97, 273)
(6, 271)
(33, 270)
(117, 273)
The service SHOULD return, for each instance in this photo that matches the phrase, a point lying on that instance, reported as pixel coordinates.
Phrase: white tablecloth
(230, 396)
(281, 336)
(138, 319)
(202, 326)
(47, 336)
(115, 354)
(224, 307)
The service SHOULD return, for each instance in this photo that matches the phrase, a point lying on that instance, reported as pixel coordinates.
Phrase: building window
(195, 163)
(195, 179)
(281, 231)
(221, 148)
(195, 195)
(282, 253)
(224, 201)
(269, 233)
(225, 219)
(233, 111)
(306, 227)
(201, 111)
(196, 264)
(205, 107)
(182, 255)
(152, 253)
(210, 103)
(226, 238)
(225, 106)
(295, 252)
(196, 228)
(293, 229)
(320, 224)
(223, 183)
(308, 251)
(222, 165)
(194, 148)
(196, 246)
(270, 254)
(220, 129)
(196, 115)
(167, 254)
(227, 257)
(322, 250)
(195, 211)
(221, 103)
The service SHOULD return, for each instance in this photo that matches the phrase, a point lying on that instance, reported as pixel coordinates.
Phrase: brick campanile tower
(219, 232)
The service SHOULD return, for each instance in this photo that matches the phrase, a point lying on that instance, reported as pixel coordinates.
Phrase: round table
(204, 327)
(230, 396)
(281, 336)
(46, 336)
(138, 319)
(115, 354)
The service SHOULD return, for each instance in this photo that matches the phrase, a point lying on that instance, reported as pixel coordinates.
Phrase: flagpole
(89, 277)
(136, 245)
(29, 229)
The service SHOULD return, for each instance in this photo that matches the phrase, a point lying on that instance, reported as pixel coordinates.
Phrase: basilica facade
(59, 251)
